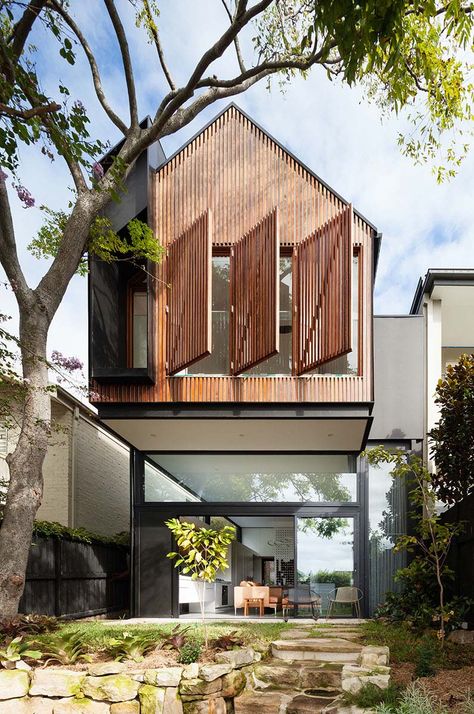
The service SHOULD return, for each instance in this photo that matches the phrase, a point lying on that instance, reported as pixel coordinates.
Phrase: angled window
(323, 294)
(254, 284)
(189, 278)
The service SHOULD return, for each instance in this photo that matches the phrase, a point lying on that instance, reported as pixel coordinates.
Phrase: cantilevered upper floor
(265, 293)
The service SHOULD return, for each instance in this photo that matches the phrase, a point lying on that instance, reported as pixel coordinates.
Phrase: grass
(406, 645)
(370, 696)
(95, 633)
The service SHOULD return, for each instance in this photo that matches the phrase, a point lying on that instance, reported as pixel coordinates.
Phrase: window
(137, 304)
(3, 439)
(254, 478)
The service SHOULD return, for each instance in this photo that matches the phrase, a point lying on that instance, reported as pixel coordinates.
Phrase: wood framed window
(254, 289)
(137, 321)
(189, 278)
(323, 294)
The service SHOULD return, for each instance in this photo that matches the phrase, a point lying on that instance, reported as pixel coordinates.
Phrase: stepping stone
(263, 703)
(279, 674)
(304, 704)
(319, 649)
(295, 634)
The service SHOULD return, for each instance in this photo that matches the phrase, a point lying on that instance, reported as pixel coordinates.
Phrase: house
(242, 372)
(85, 471)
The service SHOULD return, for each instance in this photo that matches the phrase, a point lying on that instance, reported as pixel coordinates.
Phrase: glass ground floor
(306, 525)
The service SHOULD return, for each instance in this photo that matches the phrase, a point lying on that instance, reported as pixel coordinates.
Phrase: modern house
(242, 372)
(82, 459)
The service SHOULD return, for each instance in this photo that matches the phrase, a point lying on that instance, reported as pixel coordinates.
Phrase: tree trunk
(26, 461)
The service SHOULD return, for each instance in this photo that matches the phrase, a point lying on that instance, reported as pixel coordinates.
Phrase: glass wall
(251, 477)
(387, 520)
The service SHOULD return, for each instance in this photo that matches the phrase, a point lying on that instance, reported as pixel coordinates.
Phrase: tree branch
(23, 27)
(156, 39)
(238, 52)
(29, 113)
(92, 64)
(8, 251)
(126, 60)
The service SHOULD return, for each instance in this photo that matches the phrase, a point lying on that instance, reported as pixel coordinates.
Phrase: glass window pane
(218, 361)
(260, 478)
(387, 520)
(140, 329)
(161, 487)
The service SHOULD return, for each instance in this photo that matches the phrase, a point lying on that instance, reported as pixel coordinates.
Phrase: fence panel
(72, 579)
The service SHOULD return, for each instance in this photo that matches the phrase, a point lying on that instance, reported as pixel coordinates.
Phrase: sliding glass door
(325, 560)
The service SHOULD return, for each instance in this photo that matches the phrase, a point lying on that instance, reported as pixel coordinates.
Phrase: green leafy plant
(227, 642)
(17, 650)
(370, 695)
(130, 647)
(27, 625)
(202, 553)
(176, 639)
(189, 652)
(431, 539)
(67, 648)
(414, 700)
(426, 653)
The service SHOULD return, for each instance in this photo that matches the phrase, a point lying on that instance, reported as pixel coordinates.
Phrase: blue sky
(330, 127)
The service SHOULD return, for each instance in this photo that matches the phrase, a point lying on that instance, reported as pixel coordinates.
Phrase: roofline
(278, 143)
(435, 276)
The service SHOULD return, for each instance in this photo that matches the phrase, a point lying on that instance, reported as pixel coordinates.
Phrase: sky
(330, 127)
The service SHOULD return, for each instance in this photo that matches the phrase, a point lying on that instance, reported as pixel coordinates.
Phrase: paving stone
(295, 634)
(318, 649)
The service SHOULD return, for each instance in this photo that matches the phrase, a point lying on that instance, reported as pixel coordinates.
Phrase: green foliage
(370, 695)
(136, 243)
(431, 539)
(414, 700)
(202, 551)
(27, 625)
(425, 658)
(17, 650)
(340, 578)
(189, 652)
(452, 440)
(52, 529)
(65, 648)
(130, 646)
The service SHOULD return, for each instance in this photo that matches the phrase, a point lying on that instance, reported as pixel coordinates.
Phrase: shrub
(67, 648)
(189, 652)
(426, 653)
(17, 650)
(414, 700)
(27, 625)
(227, 642)
(370, 695)
(129, 647)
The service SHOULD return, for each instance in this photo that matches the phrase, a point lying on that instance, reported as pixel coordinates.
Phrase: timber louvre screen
(254, 285)
(323, 290)
(189, 326)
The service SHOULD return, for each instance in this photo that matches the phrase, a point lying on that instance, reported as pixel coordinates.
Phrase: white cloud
(330, 127)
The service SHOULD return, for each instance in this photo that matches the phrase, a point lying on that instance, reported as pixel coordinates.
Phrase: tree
(202, 553)
(452, 439)
(406, 52)
(431, 540)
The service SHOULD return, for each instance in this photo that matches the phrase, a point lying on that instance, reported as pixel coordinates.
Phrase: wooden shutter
(254, 284)
(189, 278)
(322, 293)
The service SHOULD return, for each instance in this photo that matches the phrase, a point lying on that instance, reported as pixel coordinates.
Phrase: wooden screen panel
(254, 284)
(322, 293)
(189, 278)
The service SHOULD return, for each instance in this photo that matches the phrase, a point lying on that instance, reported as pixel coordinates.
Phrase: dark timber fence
(461, 558)
(73, 579)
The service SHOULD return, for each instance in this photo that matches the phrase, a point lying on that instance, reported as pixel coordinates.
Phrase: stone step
(278, 674)
(318, 649)
(276, 702)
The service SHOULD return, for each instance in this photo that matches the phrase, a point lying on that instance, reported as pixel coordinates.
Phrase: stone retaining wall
(111, 688)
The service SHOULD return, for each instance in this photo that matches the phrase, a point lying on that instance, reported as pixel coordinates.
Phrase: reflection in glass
(387, 520)
(218, 361)
(325, 557)
(139, 317)
(260, 478)
(161, 487)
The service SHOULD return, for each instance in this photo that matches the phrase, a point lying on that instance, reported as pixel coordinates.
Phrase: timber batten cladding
(235, 173)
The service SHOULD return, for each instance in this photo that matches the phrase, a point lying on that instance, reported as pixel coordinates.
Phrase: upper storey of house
(265, 293)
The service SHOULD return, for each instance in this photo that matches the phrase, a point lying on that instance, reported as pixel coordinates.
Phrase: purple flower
(3, 176)
(78, 105)
(97, 171)
(25, 196)
(70, 364)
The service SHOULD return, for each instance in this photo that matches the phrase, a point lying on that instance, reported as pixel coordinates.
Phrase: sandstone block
(209, 672)
(233, 683)
(79, 706)
(13, 683)
(206, 706)
(152, 699)
(191, 671)
(236, 658)
(111, 687)
(173, 702)
(99, 669)
(132, 707)
(198, 687)
(165, 677)
(56, 682)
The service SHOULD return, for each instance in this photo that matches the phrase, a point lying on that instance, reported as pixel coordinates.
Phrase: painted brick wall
(101, 481)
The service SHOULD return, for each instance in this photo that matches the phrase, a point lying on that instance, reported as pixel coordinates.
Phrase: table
(253, 602)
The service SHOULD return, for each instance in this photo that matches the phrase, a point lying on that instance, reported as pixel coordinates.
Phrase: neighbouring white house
(86, 469)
